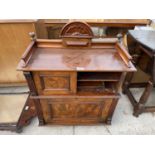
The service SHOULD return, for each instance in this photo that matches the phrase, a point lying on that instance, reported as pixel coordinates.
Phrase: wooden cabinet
(75, 80)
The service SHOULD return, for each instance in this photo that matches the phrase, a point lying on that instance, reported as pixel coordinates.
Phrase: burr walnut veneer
(75, 80)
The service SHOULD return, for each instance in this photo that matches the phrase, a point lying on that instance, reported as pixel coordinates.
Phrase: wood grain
(76, 84)
(81, 111)
(49, 83)
(14, 39)
(11, 107)
(86, 60)
(101, 22)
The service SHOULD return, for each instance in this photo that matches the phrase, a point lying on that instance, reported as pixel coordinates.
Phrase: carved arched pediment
(77, 30)
(76, 34)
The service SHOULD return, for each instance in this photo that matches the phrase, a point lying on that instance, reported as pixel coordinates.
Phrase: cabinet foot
(41, 122)
(108, 121)
(19, 130)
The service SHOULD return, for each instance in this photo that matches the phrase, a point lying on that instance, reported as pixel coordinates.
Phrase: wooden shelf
(100, 76)
(96, 88)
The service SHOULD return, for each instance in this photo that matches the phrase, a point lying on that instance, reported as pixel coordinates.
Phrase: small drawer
(54, 83)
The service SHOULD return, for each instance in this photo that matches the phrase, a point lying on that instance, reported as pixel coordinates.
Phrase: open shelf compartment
(98, 76)
(98, 88)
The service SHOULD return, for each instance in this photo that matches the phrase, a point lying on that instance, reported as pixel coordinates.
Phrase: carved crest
(76, 34)
(76, 30)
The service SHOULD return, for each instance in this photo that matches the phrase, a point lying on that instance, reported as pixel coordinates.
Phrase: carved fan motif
(76, 29)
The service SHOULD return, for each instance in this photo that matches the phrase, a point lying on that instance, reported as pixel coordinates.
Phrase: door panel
(76, 111)
(53, 83)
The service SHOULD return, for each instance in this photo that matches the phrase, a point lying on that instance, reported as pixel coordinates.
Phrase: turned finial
(119, 36)
(32, 35)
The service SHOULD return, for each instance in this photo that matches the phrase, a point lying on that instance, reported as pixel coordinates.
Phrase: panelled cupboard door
(14, 39)
(76, 111)
(55, 83)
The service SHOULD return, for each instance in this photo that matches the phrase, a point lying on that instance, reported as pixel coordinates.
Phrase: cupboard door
(55, 83)
(76, 111)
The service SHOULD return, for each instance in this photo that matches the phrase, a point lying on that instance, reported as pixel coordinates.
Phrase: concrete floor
(123, 121)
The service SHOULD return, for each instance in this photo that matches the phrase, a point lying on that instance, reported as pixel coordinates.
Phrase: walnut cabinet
(75, 80)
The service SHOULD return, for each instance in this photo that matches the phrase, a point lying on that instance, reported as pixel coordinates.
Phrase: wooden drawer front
(49, 83)
(75, 111)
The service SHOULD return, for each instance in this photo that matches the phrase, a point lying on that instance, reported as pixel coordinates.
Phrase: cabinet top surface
(53, 57)
(76, 51)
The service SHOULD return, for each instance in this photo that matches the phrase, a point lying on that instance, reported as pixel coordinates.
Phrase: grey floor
(123, 121)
